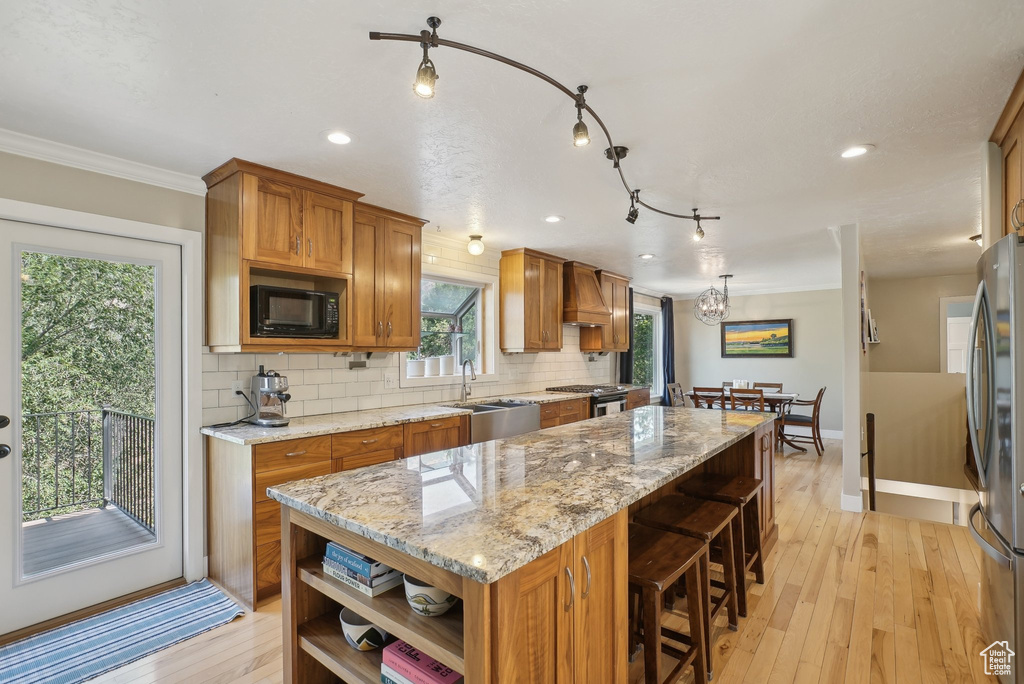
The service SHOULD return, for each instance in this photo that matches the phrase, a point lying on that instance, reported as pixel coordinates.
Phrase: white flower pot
(432, 367)
(414, 368)
(448, 365)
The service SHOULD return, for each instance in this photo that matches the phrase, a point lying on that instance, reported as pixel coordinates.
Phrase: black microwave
(287, 312)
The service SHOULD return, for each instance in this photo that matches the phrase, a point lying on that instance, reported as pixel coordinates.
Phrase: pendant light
(712, 307)
(426, 75)
(580, 134)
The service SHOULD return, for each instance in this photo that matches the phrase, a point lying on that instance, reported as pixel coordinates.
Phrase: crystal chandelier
(712, 306)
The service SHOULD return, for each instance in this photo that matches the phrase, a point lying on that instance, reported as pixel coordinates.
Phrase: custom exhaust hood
(583, 301)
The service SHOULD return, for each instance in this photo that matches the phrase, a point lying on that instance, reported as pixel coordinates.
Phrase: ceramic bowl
(361, 634)
(427, 600)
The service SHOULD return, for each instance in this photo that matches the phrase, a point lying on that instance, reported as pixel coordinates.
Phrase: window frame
(487, 321)
(657, 339)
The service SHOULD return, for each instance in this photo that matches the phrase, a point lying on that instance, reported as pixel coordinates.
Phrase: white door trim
(191, 243)
(944, 303)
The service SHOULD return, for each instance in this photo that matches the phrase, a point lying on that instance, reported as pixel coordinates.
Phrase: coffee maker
(268, 394)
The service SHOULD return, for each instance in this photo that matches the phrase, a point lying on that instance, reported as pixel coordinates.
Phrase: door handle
(572, 589)
(5, 451)
(389, 329)
(310, 241)
(586, 564)
(994, 553)
(4, 422)
(1017, 223)
(972, 417)
(298, 245)
(380, 329)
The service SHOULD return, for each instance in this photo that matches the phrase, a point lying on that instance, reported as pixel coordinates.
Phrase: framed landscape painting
(765, 339)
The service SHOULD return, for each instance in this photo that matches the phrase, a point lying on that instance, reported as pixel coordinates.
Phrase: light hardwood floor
(847, 598)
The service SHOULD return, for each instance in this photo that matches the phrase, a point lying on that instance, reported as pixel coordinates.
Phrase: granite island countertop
(349, 421)
(485, 510)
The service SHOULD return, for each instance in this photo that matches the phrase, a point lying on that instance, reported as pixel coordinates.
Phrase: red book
(418, 667)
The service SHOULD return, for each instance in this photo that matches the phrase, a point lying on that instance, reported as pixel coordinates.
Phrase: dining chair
(708, 397)
(676, 394)
(768, 386)
(813, 422)
(727, 385)
(746, 399)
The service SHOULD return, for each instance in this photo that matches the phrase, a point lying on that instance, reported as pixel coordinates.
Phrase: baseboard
(851, 502)
(806, 431)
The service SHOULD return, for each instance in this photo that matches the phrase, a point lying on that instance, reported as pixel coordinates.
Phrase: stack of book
(360, 572)
(403, 664)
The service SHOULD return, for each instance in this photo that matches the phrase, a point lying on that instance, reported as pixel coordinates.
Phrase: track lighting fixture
(426, 77)
(633, 213)
(699, 234)
(580, 134)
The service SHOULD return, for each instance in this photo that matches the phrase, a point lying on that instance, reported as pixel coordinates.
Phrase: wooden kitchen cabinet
(639, 396)
(360, 448)
(564, 412)
(563, 617)
(426, 436)
(386, 280)
(614, 337)
(530, 286)
(764, 469)
(1009, 135)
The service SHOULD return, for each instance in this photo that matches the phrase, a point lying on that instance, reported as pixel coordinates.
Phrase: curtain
(626, 357)
(668, 346)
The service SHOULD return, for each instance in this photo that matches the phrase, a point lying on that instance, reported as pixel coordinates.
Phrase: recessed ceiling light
(339, 138)
(554, 218)
(646, 256)
(857, 151)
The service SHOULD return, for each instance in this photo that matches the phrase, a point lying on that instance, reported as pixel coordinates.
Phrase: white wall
(854, 363)
(817, 360)
(323, 383)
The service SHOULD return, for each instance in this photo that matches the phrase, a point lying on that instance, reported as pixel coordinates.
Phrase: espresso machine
(268, 393)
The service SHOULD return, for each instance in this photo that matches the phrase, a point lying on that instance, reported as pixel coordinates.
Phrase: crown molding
(97, 162)
(766, 291)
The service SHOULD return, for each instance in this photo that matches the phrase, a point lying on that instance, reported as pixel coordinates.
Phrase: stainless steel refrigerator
(995, 415)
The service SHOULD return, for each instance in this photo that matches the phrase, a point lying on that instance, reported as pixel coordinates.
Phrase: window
(647, 352)
(449, 321)
(456, 319)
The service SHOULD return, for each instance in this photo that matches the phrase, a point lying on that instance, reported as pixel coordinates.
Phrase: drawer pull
(436, 425)
(296, 453)
(369, 441)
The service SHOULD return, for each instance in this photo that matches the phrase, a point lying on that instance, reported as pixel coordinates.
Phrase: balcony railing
(73, 460)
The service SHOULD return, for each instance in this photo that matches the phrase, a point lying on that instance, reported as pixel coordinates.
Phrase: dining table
(777, 403)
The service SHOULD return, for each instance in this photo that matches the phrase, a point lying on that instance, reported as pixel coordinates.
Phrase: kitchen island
(530, 532)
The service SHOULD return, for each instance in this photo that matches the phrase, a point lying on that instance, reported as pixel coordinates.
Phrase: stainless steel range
(604, 399)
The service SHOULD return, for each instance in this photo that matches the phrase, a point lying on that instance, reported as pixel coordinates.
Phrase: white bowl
(360, 633)
(427, 600)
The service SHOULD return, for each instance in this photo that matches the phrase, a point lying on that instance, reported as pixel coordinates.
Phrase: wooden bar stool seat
(710, 522)
(742, 493)
(657, 561)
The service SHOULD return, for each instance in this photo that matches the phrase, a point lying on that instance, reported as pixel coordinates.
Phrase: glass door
(91, 338)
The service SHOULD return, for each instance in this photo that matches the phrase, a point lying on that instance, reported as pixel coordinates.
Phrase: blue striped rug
(87, 648)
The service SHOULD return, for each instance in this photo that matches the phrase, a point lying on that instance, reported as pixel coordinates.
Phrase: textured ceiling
(739, 108)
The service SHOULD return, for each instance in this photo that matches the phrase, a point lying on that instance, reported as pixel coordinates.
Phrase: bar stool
(657, 561)
(710, 522)
(737, 492)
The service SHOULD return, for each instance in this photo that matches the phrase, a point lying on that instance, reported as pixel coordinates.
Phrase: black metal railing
(73, 460)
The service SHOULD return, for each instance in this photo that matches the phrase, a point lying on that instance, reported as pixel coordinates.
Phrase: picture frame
(763, 339)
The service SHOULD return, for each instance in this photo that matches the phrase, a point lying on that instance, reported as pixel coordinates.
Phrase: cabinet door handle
(298, 245)
(380, 329)
(586, 564)
(389, 329)
(1017, 223)
(310, 241)
(572, 588)
(369, 441)
(296, 453)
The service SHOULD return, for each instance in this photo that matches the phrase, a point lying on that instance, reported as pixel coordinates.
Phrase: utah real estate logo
(998, 657)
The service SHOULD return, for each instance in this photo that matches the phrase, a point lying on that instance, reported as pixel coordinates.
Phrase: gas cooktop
(595, 390)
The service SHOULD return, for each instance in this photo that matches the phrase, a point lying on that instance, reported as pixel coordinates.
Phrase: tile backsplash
(323, 383)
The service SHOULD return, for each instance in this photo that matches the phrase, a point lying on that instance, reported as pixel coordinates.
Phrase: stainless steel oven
(604, 399)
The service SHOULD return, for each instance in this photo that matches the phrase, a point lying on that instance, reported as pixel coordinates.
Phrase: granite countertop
(485, 510)
(329, 423)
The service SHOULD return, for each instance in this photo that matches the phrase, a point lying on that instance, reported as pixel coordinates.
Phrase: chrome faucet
(466, 392)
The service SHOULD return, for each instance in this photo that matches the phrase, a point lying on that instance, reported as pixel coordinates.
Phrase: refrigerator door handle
(996, 555)
(972, 417)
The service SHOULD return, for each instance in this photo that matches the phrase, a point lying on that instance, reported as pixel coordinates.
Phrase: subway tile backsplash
(324, 383)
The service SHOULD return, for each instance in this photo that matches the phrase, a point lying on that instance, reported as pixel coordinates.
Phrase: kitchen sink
(500, 419)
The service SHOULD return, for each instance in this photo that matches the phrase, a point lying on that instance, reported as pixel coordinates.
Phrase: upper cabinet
(531, 301)
(583, 302)
(269, 227)
(386, 280)
(613, 337)
(1009, 135)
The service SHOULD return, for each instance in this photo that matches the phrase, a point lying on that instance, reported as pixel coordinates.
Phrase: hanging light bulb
(426, 76)
(633, 213)
(699, 234)
(580, 134)
(476, 245)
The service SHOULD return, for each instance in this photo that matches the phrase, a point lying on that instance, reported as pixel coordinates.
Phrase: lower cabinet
(564, 412)
(563, 617)
(426, 436)
(764, 469)
(638, 397)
